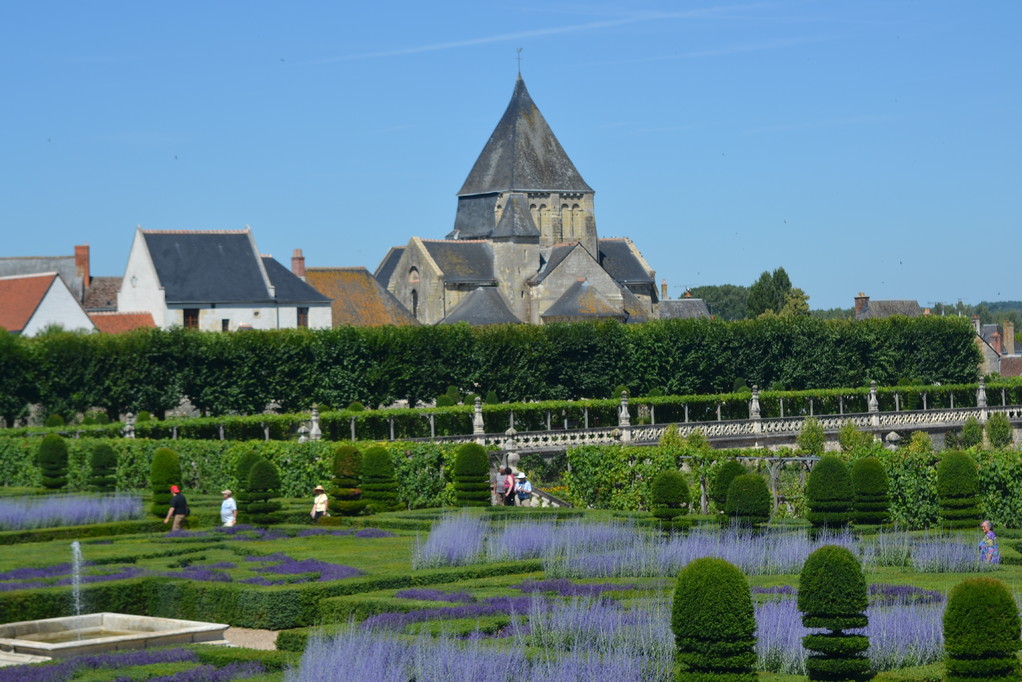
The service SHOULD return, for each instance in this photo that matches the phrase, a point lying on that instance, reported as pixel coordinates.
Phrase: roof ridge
(455, 241)
(337, 267)
(118, 312)
(32, 275)
(194, 231)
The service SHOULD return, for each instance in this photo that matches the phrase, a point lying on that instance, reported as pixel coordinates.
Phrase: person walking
(524, 490)
(178, 508)
(320, 503)
(228, 509)
(989, 552)
(509, 487)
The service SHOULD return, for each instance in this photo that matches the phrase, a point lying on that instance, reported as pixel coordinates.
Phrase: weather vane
(519, 51)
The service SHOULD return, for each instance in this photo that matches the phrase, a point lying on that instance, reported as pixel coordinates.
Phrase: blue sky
(864, 146)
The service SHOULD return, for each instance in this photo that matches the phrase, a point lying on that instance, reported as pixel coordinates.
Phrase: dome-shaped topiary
(143, 416)
(748, 500)
(347, 473)
(670, 496)
(53, 462)
(54, 420)
(714, 622)
(471, 474)
(356, 406)
(829, 493)
(262, 487)
(722, 481)
(832, 595)
(379, 487)
(103, 468)
(981, 631)
(958, 490)
(164, 472)
(871, 486)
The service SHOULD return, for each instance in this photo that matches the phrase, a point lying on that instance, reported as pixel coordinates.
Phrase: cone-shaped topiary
(832, 595)
(242, 468)
(871, 486)
(164, 472)
(714, 623)
(829, 493)
(748, 500)
(670, 496)
(981, 631)
(103, 468)
(471, 476)
(262, 487)
(347, 470)
(53, 462)
(379, 487)
(722, 481)
(958, 490)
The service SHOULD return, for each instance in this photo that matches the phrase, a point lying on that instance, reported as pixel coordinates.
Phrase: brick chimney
(1009, 337)
(977, 325)
(663, 289)
(298, 264)
(861, 303)
(926, 312)
(995, 342)
(82, 264)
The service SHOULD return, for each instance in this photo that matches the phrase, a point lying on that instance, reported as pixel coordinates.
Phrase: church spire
(523, 155)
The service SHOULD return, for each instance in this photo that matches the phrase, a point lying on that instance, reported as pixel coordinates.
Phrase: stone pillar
(754, 415)
(478, 427)
(129, 425)
(981, 400)
(874, 405)
(509, 448)
(623, 417)
(315, 433)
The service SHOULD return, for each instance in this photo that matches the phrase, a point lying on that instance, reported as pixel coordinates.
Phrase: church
(524, 248)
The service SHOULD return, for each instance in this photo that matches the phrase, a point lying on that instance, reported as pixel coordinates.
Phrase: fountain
(35, 640)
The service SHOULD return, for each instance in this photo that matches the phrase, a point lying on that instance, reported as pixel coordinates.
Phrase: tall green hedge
(379, 487)
(472, 476)
(344, 486)
(829, 493)
(714, 623)
(748, 500)
(981, 631)
(53, 462)
(164, 472)
(832, 595)
(870, 485)
(958, 490)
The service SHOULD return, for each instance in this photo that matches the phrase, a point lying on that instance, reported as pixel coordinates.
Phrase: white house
(216, 281)
(31, 303)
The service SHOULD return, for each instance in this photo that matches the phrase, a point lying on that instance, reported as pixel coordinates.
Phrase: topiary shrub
(491, 398)
(714, 623)
(164, 472)
(103, 468)
(242, 468)
(53, 462)
(143, 416)
(471, 476)
(262, 487)
(972, 433)
(981, 631)
(669, 495)
(832, 595)
(356, 406)
(871, 487)
(852, 439)
(379, 487)
(999, 430)
(958, 490)
(811, 438)
(722, 481)
(829, 493)
(445, 401)
(748, 500)
(54, 420)
(347, 470)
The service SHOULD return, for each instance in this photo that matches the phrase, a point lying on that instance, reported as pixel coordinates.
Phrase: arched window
(413, 275)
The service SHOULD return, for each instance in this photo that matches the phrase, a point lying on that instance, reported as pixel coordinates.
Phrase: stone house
(525, 227)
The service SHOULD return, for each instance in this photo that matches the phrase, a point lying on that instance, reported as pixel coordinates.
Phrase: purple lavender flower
(209, 673)
(433, 595)
(66, 669)
(67, 510)
(493, 606)
(882, 594)
(373, 533)
(456, 540)
(326, 571)
(567, 588)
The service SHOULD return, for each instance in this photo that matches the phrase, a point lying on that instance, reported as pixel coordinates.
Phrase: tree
(871, 486)
(768, 293)
(958, 490)
(999, 430)
(53, 462)
(379, 487)
(263, 488)
(796, 304)
(811, 438)
(670, 495)
(347, 469)
(103, 468)
(748, 500)
(722, 481)
(471, 476)
(829, 493)
(726, 301)
(164, 472)
(972, 433)
(981, 631)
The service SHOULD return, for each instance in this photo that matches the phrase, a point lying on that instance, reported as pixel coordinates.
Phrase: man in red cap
(178, 508)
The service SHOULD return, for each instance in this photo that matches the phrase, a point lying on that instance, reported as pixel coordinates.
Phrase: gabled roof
(558, 252)
(116, 323)
(34, 265)
(1011, 366)
(207, 267)
(522, 154)
(101, 293)
(288, 287)
(484, 305)
(385, 270)
(683, 309)
(462, 261)
(358, 298)
(878, 309)
(581, 301)
(20, 297)
(634, 307)
(619, 258)
(516, 220)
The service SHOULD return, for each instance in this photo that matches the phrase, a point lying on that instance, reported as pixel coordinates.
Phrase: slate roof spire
(523, 154)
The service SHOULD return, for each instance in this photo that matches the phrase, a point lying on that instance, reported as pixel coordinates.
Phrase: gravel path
(252, 639)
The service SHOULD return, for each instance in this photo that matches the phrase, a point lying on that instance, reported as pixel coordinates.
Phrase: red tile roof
(20, 297)
(115, 323)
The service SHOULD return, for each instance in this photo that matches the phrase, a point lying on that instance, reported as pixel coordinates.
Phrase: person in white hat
(524, 490)
(320, 503)
(228, 509)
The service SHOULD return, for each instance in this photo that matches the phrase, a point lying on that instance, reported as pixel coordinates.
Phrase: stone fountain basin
(100, 632)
